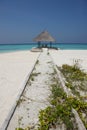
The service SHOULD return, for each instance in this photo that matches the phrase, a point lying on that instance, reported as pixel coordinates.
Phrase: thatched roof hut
(44, 37)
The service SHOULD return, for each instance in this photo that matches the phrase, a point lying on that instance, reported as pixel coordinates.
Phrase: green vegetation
(20, 101)
(80, 106)
(37, 62)
(48, 53)
(28, 128)
(60, 110)
(36, 74)
(76, 78)
(19, 129)
(50, 62)
(73, 73)
(33, 75)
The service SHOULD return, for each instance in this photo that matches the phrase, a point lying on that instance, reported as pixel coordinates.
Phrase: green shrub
(19, 129)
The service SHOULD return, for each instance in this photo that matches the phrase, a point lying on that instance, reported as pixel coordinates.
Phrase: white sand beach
(14, 68)
(61, 57)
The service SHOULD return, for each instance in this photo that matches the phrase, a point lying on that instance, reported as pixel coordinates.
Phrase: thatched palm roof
(44, 37)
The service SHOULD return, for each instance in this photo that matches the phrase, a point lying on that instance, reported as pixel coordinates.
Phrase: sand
(37, 92)
(14, 68)
(36, 95)
(61, 57)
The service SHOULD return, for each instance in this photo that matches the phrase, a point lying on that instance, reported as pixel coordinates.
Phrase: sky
(22, 20)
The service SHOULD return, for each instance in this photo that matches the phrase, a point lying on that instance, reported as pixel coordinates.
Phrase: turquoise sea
(25, 46)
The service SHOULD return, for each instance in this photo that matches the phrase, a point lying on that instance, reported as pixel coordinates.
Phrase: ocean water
(62, 46)
(15, 47)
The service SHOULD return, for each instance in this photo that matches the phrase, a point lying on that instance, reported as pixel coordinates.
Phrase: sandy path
(35, 96)
(14, 67)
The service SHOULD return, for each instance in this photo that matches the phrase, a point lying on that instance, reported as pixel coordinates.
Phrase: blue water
(15, 47)
(63, 46)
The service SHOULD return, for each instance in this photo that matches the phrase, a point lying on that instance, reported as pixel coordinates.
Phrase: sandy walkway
(14, 68)
(35, 96)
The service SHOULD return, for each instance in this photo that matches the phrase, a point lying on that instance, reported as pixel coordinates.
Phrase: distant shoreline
(35, 43)
(28, 46)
